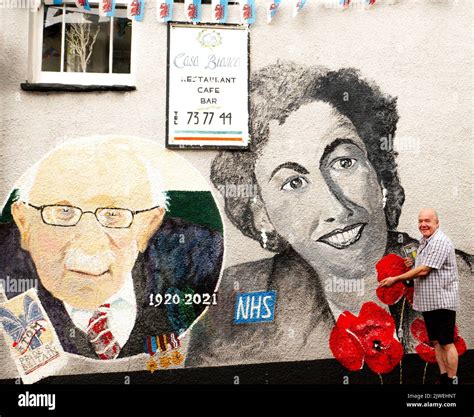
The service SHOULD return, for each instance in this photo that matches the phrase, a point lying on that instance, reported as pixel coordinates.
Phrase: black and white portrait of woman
(327, 206)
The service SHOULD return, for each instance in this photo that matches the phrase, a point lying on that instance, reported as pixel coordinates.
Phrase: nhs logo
(255, 307)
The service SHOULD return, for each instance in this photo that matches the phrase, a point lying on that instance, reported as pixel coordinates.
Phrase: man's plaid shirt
(439, 289)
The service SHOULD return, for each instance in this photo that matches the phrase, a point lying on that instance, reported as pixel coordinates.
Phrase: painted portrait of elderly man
(93, 224)
(327, 206)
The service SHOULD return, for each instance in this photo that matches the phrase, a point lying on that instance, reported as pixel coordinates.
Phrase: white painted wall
(418, 50)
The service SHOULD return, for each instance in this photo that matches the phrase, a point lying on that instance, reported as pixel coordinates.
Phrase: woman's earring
(264, 238)
(384, 196)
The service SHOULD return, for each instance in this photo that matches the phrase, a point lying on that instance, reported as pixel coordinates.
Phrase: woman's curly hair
(279, 89)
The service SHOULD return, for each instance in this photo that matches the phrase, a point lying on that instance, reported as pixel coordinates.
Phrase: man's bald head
(429, 212)
(428, 222)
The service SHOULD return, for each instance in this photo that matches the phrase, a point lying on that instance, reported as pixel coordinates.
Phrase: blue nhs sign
(255, 307)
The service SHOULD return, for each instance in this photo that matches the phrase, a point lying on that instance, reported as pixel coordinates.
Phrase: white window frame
(35, 52)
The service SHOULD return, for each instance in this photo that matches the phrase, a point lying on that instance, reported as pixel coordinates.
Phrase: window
(69, 45)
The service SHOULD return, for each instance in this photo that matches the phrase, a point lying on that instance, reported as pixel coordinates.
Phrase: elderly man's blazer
(180, 258)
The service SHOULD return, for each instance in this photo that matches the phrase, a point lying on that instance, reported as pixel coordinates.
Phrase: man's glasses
(69, 216)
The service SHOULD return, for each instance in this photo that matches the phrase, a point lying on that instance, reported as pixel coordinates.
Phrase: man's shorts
(440, 325)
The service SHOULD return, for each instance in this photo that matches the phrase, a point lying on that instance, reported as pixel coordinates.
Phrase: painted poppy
(367, 338)
(425, 348)
(392, 265)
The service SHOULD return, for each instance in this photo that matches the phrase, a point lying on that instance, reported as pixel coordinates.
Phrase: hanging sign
(207, 91)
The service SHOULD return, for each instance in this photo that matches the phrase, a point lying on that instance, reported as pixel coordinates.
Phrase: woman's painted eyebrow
(335, 144)
(290, 165)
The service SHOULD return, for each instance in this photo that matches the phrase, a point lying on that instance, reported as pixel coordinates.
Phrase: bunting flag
(192, 10)
(164, 10)
(83, 4)
(335, 4)
(247, 11)
(272, 9)
(136, 10)
(107, 8)
(297, 6)
(220, 9)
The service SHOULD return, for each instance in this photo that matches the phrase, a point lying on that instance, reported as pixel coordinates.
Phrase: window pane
(87, 41)
(122, 45)
(52, 33)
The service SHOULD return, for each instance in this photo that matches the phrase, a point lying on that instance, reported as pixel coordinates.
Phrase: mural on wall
(326, 201)
(111, 248)
(118, 241)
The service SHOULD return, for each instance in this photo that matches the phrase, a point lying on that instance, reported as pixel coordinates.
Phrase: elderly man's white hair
(136, 147)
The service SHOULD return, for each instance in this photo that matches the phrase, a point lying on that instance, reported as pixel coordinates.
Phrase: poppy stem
(381, 380)
(424, 372)
(400, 336)
(400, 326)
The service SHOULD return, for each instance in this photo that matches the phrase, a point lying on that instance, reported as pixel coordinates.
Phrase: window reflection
(122, 45)
(86, 44)
(52, 34)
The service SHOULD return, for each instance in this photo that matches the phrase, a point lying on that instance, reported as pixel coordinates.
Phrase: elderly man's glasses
(68, 216)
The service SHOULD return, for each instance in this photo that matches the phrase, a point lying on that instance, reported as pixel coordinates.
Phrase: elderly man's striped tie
(100, 336)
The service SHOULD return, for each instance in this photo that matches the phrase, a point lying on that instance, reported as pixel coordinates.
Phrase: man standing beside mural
(436, 290)
(327, 201)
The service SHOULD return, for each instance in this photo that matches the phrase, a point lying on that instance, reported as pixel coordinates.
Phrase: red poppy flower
(425, 349)
(368, 338)
(392, 265)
